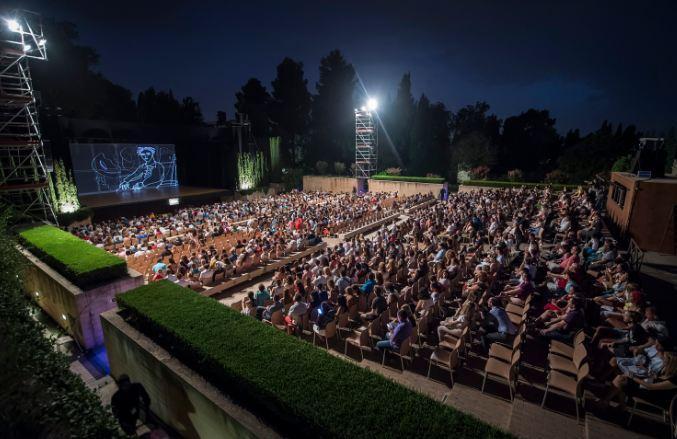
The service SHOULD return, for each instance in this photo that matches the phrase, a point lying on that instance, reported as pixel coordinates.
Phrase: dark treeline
(419, 136)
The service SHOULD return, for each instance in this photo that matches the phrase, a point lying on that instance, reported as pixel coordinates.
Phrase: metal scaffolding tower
(366, 143)
(23, 167)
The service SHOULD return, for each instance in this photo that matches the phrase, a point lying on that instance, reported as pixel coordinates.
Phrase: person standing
(128, 402)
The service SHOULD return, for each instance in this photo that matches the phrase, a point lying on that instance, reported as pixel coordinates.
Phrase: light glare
(13, 25)
(372, 104)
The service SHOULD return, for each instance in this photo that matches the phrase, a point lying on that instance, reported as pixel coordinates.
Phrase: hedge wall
(78, 261)
(299, 389)
(409, 178)
(39, 396)
(509, 184)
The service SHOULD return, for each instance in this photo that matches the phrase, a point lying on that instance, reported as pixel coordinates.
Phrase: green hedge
(299, 389)
(409, 178)
(507, 184)
(78, 261)
(39, 396)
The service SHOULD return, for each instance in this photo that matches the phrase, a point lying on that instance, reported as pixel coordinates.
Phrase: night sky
(585, 61)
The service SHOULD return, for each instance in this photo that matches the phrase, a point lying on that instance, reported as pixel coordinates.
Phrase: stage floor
(146, 195)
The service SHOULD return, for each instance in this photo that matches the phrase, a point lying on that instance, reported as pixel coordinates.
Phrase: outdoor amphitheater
(256, 294)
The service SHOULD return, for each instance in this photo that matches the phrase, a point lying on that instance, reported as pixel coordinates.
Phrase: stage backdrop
(111, 167)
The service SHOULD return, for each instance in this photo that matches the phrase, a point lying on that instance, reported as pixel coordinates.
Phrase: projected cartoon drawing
(135, 168)
(149, 173)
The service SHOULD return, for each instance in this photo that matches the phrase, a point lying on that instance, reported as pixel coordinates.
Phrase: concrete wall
(179, 396)
(323, 183)
(348, 184)
(75, 310)
(404, 188)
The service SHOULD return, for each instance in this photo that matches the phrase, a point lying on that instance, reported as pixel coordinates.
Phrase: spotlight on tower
(13, 25)
(372, 104)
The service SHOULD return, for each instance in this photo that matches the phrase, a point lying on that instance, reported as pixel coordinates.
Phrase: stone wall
(329, 184)
(75, 310)
(348, 184)
(179, 396)
(404, 188)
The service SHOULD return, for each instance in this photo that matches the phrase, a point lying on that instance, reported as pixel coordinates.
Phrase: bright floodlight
(13, 25)
(372, 104)
(27, 47)
(42, 42)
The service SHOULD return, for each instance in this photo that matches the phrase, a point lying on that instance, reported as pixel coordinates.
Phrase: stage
(130, 203)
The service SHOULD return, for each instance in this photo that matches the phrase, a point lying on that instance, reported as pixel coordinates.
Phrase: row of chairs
(568, 369)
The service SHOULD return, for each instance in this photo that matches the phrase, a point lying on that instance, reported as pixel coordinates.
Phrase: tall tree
(221, 118)
(475, 137)
(158, 107)
(419, 142)
(333, 115)
(70, 86)
(402, 117)
(571, 138)
(290, 109)
(440, 119)
(597, 151)
(190, 113)
(254, 101)
(530, 142)
(475, 118)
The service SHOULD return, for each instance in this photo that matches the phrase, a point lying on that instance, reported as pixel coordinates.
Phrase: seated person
(261, 296)
(325, 315)
(519, 294)
(298, 309)
(425, 302)
(277, 305)
(249, 305)
(369, 284)
(399, 334)
(497, 327)
(658, 387)
(635, 335)
(378, 305)
(454, 325)
(556, 308)
(565, 326)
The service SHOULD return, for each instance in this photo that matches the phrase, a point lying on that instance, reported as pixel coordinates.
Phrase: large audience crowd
(194, 246)
(488, 272)
(483, 274)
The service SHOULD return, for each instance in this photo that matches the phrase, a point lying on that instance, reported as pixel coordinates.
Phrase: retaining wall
(348, 184)
(180, 397)
(329, 184)
(75, 310)
(404, 188)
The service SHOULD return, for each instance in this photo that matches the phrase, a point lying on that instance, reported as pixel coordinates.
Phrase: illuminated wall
(121, 167)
